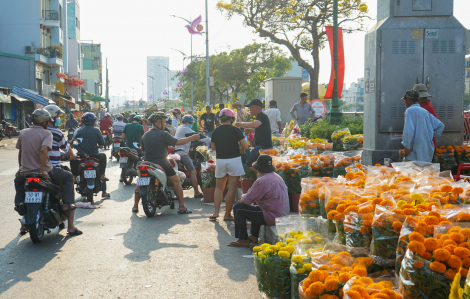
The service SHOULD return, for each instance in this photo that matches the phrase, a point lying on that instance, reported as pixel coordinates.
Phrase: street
(122, 254)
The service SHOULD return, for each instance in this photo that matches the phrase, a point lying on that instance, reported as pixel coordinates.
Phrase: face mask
(57, 122)
(189, 125)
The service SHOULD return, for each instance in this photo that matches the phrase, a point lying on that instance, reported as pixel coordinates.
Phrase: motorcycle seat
(152, 164)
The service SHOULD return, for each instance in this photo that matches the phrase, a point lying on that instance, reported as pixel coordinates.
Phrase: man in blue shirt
(420, 128)
(303, 110)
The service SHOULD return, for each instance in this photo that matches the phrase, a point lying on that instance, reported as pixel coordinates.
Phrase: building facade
(159, 83)
(91, 68)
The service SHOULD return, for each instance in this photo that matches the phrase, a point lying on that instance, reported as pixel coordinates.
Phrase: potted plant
(248, 179)
(56, 51)
(208, 181)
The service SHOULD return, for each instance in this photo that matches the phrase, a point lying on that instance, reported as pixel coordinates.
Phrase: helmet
(107, 115)
(188, 118)
(40, 116)
(119, 117)
(137, 118)
(54, 110)
(88, 118)
(226, 112)
(176, 110)
(131, 116)
(156, 116)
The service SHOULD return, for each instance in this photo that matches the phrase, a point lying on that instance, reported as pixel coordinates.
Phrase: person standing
(226, 141)
(209, 121)
(274, 116)
(240, 111)
(217, 122)
(270, 194)
(424, 102)
(419, 130)
(262, 139)
(303, 110)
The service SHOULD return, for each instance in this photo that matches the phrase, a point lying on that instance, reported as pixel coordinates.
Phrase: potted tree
(248, 179)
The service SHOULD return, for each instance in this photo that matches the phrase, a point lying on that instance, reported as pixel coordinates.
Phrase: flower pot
(246, 185)
(208, 194)
(294, 201)
(239, 184)
(52, 55)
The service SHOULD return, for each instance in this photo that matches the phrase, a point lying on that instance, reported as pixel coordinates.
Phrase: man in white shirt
(274, 116)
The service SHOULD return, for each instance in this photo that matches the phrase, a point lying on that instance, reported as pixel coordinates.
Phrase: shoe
(199, 196)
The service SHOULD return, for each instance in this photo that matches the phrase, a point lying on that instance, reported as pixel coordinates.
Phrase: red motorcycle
(8, 129)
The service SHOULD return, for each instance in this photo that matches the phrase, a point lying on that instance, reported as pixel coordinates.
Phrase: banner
(341, 64)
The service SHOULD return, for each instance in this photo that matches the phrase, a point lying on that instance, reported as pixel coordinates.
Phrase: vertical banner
(341, 64)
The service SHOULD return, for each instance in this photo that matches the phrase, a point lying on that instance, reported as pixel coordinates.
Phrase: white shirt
(174, 122)
(274, 116)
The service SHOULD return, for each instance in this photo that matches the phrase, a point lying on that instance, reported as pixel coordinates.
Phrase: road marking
(6, 181)
(10, 171)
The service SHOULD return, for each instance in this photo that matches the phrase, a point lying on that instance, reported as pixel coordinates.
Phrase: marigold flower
(454, 262)
(457, 237)
(339, 217)
(446, 188)
(316, 275)
(420, 229)
(317, 288)
(416, 247)
(432, 244)
(331, 284)
(449, 242)
(353, 294)
(415, 236)
(375, 286)
(344, 277)
(463, 216)
(450, 248)
(331, 215)
(438, 267)
(360, 271)
(457, 190)
(427, 255)
(450, 274)
(441, 255)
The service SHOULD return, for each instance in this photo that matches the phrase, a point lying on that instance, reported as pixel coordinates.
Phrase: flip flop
(76, 232)
(229, 219)
(106, 196)
(135, 211)
(199, 196)
(237, 244)
(188, 211)
(213, 218)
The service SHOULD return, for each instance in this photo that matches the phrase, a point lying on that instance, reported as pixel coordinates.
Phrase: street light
(133, 98)
(153, 89)
(184, 56)
(125, 95)
(142, 89)
(168, 80)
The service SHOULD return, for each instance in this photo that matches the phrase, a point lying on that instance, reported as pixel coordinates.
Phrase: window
(77, 22)
(47, 77)
(60, 15)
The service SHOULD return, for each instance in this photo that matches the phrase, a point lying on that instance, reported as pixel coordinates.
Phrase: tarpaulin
(341, 64)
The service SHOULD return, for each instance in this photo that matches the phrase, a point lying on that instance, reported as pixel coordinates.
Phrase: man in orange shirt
(424, 102)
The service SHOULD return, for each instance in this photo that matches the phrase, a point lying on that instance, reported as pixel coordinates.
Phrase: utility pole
(107, 86)
(335, 113)
(208, 88)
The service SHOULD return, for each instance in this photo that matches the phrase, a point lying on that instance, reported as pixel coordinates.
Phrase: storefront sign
(39, 71)
(319, 107)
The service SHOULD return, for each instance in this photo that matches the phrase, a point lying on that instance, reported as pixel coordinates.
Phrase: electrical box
(285, 91)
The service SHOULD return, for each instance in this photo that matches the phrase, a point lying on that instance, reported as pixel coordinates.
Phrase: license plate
(143, 181)
(123, 160)
(117, 144)
(33, 197)
(89, 174)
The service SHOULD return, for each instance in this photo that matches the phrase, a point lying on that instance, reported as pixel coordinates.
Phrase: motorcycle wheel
(172, 204)
(89, 195)
(36, 230)
(8, 134)
(127, 179)
(149, 207)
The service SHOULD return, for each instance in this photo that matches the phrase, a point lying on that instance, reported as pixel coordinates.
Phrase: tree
(242, 71)
(300, 25)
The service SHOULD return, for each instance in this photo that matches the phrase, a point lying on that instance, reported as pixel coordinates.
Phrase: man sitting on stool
(270, 193)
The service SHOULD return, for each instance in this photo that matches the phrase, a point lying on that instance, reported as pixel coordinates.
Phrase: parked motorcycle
(8, 129)
(128, 163)
(153, 187)
(1, 132)
(42, 207)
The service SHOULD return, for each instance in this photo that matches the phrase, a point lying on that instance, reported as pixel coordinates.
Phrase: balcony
(44, 55)
(50, 18)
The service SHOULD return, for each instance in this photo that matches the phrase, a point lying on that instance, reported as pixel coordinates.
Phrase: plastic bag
(353, 142)
(273, 275)
(385, 284)
(204, 151)
(309, 203)
(326, 165)
(337, 138)
(300, 267)
(357, 227)
(347, 160)
(208, 174)
(386, 226)
(269, 152)
(289, 226)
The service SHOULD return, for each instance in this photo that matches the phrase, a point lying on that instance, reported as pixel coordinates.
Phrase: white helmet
(54, 110)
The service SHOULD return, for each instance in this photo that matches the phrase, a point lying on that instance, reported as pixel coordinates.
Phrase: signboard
(211, 81)
(305, 76)
(432, 33)
(39, 71)
(371, 85)
(319, 107)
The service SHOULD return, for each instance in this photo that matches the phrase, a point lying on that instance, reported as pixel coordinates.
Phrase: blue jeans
(242, 213)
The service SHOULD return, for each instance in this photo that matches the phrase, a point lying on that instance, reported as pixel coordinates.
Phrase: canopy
(30, 95)
(4, 98)
(93, 98)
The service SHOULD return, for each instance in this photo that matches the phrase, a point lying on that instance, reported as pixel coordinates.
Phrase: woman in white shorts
(226, 140)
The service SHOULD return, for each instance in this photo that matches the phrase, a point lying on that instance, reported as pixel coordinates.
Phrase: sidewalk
(8, 143)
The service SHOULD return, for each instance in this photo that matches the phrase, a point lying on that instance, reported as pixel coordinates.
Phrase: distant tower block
(413, 41)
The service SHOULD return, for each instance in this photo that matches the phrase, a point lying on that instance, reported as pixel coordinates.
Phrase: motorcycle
(107, 138)
(8, 129)
(117, 144)
(42, 207)
(128, 163)
(196, 157)
(154, 188)
(88, 181)
(1, 132)
(70, 133)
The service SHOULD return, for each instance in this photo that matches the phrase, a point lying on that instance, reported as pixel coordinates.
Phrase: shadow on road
(142, 237)
(231, 258)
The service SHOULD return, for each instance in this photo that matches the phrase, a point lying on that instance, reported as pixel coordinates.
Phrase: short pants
(187, 162)
(232, 167)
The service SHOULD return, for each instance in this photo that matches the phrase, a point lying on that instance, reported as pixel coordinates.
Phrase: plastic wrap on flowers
(325, 165)
(365, 287)
(340, 233)
(357, 227)
(208, 174)
(410, 225)
(309, 203)
(337, 138)
(352, 142)
(301, 266)
(344, 161)
(269, 152)
(445, 157)
(204, 151)
(386, 226)
(299, 168)
(418, 280)
(272, 265)
(289, 226)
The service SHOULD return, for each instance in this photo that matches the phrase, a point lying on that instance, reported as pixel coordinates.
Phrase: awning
(18, 98)
(91, 97)
(4, 98)
(31, 96)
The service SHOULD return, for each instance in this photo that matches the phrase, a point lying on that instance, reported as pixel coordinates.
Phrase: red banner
(341, 64)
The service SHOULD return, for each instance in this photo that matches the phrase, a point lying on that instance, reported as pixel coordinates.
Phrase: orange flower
(418, 264)
(450, 274)
(463, 216)
(465, 232)
(464, 272)
(331, 284)
(431, 220)
(462, 253)
(430, 229)
(360, 271)
(353, 294)
(316, 275)
(344, 277)
(432, 244)
(416, 237)
(441, 255)
(449, 242)
(416, 247)
(457, 237)
(397, 226)
(331, 215)
(457, 190)
(446, 188)
(438, 267)
(454, 262)
(427, 255)
(317, 288)
(450, 248)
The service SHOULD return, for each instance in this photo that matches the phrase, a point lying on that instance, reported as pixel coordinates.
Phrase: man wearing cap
(424, 102)
(274, 116)
(262, 129)
(209, 121)
(221, 107)
(419, 130)
(269, 192)
(303, 110)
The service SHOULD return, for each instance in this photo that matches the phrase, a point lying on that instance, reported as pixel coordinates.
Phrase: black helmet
(156, 116)
(88, 118)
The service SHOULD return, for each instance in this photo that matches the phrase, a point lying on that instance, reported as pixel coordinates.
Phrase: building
(32, 51)
(467, 73)
(348, 96)
(74, 47)
(159, 83)
(91, 68)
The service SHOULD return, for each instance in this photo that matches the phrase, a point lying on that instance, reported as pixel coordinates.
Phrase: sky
(129, 31)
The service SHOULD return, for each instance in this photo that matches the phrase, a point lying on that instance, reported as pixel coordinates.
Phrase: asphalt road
(122, 254)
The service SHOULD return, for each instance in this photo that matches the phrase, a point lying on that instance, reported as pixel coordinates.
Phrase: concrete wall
(19, 25)
(17, 71)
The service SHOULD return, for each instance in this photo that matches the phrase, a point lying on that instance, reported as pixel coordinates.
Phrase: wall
(17, 71)
(19, 25)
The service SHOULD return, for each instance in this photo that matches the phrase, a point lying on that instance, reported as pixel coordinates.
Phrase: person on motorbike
(175, 120)
(106, 124)
(118, 126)
(169, 128)
(34, 145)
(155, 145)
(71, 123)
(91, 139)
(183, 151)
(59, 143)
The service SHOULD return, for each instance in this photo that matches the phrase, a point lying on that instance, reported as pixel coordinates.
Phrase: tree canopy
(300, 25)
(242, 71)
